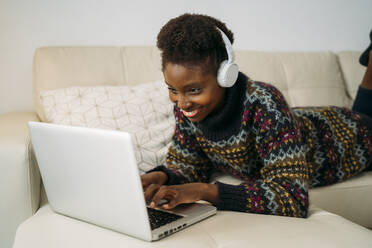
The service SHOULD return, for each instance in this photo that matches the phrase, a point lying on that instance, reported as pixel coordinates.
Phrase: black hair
(193, 40)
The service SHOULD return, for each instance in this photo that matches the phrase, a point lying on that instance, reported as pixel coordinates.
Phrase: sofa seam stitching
(28, 147)
(348, 188)
(343, 75)
(123, 67)
(343, 78)
(212, 239)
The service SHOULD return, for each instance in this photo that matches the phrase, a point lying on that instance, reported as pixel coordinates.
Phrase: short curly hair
(193, 40)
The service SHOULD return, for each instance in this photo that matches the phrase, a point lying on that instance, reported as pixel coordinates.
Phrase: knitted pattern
(278, 152)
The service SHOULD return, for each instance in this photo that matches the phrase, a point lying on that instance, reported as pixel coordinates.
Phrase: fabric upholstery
(141, 64)
(19, 177)
(352, 72)
(63, 67)
(348, 199)
(304, 78)
(300, 76)
(225, 229)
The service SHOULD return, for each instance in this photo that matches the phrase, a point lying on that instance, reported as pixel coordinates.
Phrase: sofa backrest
(305, 78)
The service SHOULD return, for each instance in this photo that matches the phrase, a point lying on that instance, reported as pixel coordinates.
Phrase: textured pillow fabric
(144, 111)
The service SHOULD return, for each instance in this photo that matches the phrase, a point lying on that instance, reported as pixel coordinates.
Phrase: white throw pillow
(144, 111)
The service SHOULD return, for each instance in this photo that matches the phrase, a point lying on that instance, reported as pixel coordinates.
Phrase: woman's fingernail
(152, 204)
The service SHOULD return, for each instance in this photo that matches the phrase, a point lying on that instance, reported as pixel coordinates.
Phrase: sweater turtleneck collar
(226, 121)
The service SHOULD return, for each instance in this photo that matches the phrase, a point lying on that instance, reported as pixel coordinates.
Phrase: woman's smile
(191, 114)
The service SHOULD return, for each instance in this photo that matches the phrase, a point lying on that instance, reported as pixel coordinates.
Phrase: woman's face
(195, 92)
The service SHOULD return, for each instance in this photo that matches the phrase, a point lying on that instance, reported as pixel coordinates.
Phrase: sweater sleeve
(282, 188)
(185, 161)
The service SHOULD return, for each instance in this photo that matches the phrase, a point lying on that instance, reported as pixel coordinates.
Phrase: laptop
(91, 175)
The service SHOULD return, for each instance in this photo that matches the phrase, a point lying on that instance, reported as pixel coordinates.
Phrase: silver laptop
(91, 175)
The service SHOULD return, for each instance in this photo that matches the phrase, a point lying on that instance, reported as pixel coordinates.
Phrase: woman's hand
(156, 177)
(151, 182)
(184, 193)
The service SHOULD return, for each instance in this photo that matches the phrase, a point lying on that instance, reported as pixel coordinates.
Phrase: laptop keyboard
(159, 218)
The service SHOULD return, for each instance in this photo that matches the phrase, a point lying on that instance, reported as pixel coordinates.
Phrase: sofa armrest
(19, 175)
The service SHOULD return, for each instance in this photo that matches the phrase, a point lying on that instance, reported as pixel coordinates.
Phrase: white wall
(260, 25)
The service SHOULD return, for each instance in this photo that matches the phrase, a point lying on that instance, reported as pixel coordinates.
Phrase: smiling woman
(227, 122)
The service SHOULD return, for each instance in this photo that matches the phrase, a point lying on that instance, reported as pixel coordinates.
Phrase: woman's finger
(144, 184)
(171, 204)
(156, 177)
(151, 191)
(145, 181)
(164, 192)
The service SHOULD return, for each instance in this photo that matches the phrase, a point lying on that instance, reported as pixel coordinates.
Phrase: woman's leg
(363, 100)
(363, 60)
(367, 79)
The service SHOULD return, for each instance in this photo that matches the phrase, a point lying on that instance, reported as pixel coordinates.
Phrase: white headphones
(228, 70)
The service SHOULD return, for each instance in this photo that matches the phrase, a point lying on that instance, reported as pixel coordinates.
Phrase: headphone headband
(228, 71)
(228, 46)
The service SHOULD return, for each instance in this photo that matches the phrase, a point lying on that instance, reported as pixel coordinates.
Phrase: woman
(248, 131)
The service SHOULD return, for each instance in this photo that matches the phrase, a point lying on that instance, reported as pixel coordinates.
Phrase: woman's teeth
(190, 114)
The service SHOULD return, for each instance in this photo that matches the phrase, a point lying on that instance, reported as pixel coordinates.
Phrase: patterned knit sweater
(278, 152)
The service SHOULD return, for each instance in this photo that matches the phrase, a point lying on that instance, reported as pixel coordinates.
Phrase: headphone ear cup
(227, 74)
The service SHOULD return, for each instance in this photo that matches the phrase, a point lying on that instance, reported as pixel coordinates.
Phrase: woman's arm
(185, 163)
(282, 188)
(185, 193)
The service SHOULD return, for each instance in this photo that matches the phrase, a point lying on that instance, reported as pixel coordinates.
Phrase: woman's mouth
(191, 114)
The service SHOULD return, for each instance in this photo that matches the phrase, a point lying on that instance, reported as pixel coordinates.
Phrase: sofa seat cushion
(350, 199)
(226, 229)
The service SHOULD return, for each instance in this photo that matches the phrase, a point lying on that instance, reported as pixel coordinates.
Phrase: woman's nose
(183, 103)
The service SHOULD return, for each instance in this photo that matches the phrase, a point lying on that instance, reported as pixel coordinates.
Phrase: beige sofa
(339, 216)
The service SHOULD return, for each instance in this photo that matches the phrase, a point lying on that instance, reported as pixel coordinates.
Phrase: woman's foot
(364, 58)
(367, 78)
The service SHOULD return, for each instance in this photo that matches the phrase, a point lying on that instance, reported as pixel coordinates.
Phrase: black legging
(363, 104)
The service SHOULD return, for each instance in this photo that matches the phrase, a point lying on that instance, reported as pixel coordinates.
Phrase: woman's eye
(195, 90)
(172, 90)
